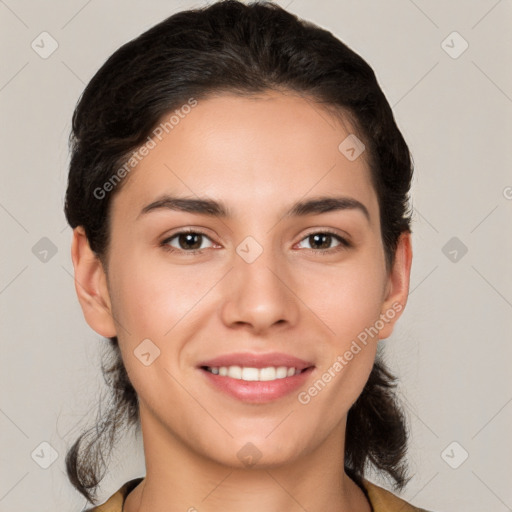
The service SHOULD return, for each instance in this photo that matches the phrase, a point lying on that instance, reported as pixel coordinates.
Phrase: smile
(256, 378)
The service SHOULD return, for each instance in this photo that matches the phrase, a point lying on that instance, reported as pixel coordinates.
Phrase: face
(243, 243)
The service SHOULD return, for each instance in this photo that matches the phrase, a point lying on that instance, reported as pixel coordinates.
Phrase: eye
(192, 242)
(186, 241)
(322, 240)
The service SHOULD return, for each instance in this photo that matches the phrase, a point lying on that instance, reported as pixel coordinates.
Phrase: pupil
(317, 240)
(188, 242)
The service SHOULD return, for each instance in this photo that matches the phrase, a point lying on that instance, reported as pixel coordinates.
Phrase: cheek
(150, 297)
(349, 298)
(350, 306)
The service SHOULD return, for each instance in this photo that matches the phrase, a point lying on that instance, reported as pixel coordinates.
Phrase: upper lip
(247, 359)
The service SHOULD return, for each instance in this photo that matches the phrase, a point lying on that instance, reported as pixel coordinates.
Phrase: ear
(397, 288)
(91, 285)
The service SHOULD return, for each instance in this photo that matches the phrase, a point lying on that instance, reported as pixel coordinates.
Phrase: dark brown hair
(243, 49)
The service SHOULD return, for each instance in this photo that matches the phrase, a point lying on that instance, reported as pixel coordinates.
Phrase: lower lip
(258, 392)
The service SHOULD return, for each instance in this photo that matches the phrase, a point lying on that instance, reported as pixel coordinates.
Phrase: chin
(257, 452)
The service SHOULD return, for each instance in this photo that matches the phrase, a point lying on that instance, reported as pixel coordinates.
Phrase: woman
(238, 191)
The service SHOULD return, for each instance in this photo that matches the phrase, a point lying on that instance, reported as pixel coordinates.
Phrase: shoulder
(385, 501)
(116, 501)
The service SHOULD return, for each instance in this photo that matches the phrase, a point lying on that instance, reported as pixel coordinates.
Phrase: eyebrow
(213, 208)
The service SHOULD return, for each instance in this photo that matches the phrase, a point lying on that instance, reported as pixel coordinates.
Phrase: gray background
(452, 347)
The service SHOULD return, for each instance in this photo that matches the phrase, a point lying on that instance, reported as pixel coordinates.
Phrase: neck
(178, 478)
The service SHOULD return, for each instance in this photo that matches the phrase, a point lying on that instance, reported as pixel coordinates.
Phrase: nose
(259, 295)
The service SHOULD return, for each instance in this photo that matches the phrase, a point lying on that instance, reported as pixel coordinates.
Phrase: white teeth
(235, 372)
(268, 373)
(254, 374)
(250, 374)
(281, 372)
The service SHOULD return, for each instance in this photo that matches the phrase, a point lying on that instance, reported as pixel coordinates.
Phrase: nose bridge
(258, 267)
(259, 264)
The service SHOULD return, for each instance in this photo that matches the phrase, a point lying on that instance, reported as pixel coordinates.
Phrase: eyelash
(344, 244)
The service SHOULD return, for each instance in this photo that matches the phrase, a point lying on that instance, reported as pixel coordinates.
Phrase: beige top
(380, 499)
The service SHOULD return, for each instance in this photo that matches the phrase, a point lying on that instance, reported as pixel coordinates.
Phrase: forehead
(268, 150)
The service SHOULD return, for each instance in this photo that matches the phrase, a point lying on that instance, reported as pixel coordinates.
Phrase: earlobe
(91, 285)
(397, 286)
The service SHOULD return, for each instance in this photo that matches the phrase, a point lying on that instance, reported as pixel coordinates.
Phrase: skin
(258, 155)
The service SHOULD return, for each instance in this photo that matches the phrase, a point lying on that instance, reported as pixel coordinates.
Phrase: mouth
(254, 378)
